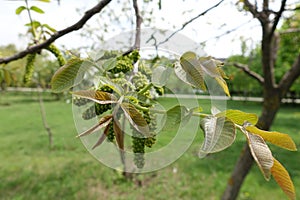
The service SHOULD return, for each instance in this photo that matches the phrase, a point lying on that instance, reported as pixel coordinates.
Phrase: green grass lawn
(30, 170)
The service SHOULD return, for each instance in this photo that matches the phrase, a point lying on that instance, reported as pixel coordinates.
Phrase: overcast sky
(214, 23)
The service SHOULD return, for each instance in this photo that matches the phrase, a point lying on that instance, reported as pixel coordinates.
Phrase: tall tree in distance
(273, 91)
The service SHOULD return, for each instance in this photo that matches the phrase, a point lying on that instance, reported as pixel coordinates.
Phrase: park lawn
(30, 170)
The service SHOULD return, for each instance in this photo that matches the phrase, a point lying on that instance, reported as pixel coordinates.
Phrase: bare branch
(78, 25)
(229, 31)
(290, 76)
(278, 16)
(253, 9)
(139, 20)
(246, 69)
(190, 21)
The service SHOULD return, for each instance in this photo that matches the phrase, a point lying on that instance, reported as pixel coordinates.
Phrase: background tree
(273, 91)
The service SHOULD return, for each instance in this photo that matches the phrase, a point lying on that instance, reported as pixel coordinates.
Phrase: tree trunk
(270, 107)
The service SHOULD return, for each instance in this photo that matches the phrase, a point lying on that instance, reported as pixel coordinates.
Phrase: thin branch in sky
(278, 16)
(78, 25)
(228, 31)
(190, 21)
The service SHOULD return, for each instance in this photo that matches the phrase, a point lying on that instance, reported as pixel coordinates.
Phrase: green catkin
(29, 68)
(80, 101)
(111, 135)
(57, 53)
(138, 148)
(125, 63)
(139, 80)
(151, 121)
(106, 88)
(145, 69)
(134, 56)
(89, 113)
(101, 108)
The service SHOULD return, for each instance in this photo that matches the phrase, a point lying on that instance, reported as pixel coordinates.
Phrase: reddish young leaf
(135, 118)
(103, 122)
(102, 138)
(119, 134)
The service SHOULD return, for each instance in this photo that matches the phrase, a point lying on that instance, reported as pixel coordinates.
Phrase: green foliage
(289, 49)
(134, 100)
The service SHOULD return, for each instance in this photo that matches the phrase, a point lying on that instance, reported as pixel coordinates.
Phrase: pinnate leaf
(103, 122)
(223, 84)
(283, 179)
(219, 133)
(36, 9)
(176, 116)
(260, 152)
(96, 96)
(20, 9)
(239, 117)
(160, 76)
(279, 139)
(65, 77)
(119, 134)
(189, 70)
(135, 118)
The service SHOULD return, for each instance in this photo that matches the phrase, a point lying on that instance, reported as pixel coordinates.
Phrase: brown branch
(78, 25)
(138, 22)
(290, 76)
(278, 16)
(190, 21)
(246, 69)
(253, 10)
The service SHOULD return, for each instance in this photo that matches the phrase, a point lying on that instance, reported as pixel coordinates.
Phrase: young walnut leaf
(210, 66)
(160, 76)
(260, 152)
(135, 118)
(219, 134)
(239, 117)
(103, 122)
(119, 134)
(283, 179)
(176, 116)
(102, 137)
(280, 139)
(65, 77)
(189, 70)
(96, 96)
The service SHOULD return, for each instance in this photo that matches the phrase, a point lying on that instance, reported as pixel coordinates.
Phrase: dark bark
(272, 93)
(270, 107)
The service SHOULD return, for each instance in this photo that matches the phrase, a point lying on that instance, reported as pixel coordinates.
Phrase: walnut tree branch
(278, 16)
(246, 69)
(190, 21)
(78, 25)
(290, 76)
(138, 22)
